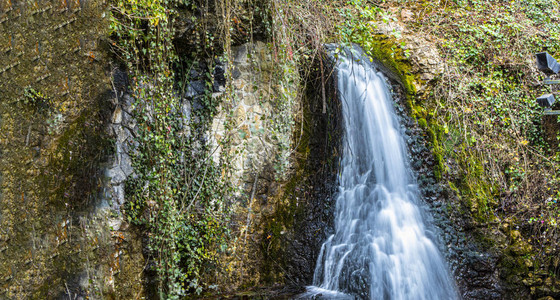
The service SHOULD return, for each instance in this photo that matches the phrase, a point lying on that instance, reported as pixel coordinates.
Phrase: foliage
(34, 98)
(493, 108)
(177, 193)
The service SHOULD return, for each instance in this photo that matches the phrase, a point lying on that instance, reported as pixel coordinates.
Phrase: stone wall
(256, 118)
(250, 113)
(58, 237)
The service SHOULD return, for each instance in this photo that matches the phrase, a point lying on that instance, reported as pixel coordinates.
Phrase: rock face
(58, 237)
(123, 130)
(258, 136)
(255, 123)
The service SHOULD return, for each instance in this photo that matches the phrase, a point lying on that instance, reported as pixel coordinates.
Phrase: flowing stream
(381, 248)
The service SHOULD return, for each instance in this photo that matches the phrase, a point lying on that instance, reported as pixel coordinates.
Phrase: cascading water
(380, 248)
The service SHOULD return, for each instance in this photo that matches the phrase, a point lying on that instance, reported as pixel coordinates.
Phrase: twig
(68, 291)
(249, 208)
(323, 86)
(27, 138)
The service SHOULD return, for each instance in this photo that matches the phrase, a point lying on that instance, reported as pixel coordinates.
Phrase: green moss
(438, 165)
(386, 50)
(286, 212)
(475, 188)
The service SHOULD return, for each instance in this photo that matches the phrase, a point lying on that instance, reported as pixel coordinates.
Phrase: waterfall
(381, 248)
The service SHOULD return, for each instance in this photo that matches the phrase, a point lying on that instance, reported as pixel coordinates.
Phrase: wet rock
(475, 270)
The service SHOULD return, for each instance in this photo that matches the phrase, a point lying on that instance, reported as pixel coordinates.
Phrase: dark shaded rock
(219, 77)
(120, 82)
(235, 73)
(194, 74)
(195, 88)
(309, 218)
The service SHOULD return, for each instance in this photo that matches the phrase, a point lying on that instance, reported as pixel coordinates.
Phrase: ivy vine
(177, 193)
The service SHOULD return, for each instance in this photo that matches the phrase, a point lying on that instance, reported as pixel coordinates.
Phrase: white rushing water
(381, 248)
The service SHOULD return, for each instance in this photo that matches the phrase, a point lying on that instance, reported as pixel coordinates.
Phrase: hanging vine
(177, 194)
